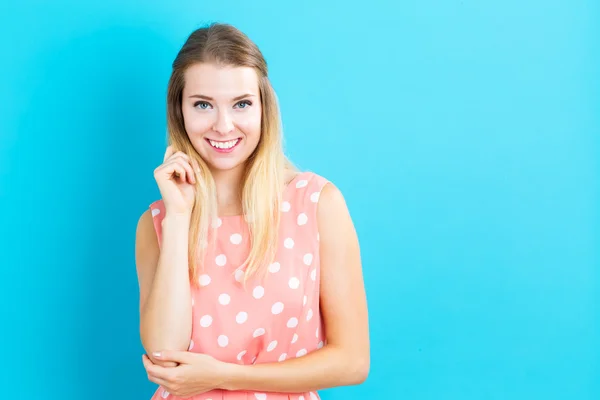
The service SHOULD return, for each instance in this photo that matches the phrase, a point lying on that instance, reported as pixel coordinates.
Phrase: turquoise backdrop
(464, 134)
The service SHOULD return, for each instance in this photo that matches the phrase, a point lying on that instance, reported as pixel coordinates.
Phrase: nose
(223, 125)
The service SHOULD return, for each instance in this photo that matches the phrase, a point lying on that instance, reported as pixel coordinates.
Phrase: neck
(229, 190)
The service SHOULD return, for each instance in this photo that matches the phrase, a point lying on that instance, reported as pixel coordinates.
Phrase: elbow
(156, 340)
(359, 371)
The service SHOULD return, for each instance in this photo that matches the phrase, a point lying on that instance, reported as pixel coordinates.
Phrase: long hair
(263, 181)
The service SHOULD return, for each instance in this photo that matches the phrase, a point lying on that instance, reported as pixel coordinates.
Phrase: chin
(225, 166)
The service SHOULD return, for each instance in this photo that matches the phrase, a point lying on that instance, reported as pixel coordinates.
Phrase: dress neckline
(285, 190)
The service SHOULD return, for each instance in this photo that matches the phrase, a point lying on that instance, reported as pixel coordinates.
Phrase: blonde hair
(264, 178)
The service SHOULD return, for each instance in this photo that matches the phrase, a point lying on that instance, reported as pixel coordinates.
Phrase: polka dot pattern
(221, 260)
(274, 268)
(268, 318)
(241, 317)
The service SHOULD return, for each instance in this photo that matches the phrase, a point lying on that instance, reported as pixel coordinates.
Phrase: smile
(224, 146)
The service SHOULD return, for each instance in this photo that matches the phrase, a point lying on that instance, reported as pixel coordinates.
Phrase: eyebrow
(201, 96)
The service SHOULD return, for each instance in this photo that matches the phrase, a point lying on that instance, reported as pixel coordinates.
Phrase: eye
(202, 104)
(244, 102)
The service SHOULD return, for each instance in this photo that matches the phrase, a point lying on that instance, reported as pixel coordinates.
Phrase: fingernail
(156, 354)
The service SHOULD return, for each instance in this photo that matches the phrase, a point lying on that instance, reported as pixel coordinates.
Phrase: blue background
(464, 134)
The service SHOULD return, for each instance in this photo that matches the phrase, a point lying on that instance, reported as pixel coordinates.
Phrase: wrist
(229, 376)
(176, 218)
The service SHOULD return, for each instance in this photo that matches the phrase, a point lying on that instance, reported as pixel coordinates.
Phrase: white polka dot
(223, 341)
(302, 219)
(295, 338)
(288, 243)
(294, 283)
(239, 275)
(236, 238)
(292, 322)
(301, 352)
(164, 394)
(191, 345)
(260, 396)
(224, 299)
(313, 396)
(320, 345)
(315, 197)
(282, 357)
(304, 300)
(313, 274)
(204, 280)
(308, 257)
(309, 315)
(206, 321)
(258, 332)
(241, 317)
(275, 267)
(221, 260)
(301, 183)
(217, 223)
(258, 292)
(277, 308)
(272, 345)
(285, 206)
(155, 212)
(241, 354)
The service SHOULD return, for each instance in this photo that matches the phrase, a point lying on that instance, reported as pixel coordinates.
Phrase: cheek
(195, 126)
(250, 124)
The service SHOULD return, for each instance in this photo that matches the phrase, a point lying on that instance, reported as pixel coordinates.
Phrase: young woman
(249, 270)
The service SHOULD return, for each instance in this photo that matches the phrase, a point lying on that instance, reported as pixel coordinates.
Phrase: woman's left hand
(195, 374)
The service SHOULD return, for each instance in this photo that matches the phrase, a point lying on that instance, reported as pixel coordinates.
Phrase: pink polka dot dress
(273, 319)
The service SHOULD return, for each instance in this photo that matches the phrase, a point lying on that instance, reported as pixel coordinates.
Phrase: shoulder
(337, 233)
(310, 180)
(145, 230)
(331, 203)
(149, 227)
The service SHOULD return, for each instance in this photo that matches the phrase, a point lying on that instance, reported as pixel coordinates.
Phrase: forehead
(215, 81)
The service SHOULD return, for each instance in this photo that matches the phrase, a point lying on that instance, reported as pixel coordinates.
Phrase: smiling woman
(222, 122)
(249, 270)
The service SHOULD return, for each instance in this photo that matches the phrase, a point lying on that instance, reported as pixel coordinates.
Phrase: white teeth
(223, 145)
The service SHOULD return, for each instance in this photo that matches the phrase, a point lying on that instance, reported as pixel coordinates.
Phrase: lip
(239, 140)
(224, 141)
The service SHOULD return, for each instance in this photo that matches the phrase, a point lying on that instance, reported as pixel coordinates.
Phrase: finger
(179, 154)
(182, 357)
(190, 176)
(168, 152)
(148, 364)
(147, 361)
(175, 169)
(158, 372)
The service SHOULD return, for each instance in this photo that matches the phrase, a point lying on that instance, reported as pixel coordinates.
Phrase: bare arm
(165, 299)
(345, 359)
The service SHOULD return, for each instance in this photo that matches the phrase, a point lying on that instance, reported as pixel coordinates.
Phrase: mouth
(224, 146)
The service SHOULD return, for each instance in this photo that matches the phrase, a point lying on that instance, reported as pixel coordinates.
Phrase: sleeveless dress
(274, 318)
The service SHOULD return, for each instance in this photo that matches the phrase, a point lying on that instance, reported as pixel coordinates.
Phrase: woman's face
(221, 109)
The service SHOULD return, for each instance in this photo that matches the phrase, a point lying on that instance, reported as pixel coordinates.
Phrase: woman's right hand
(176, 179)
